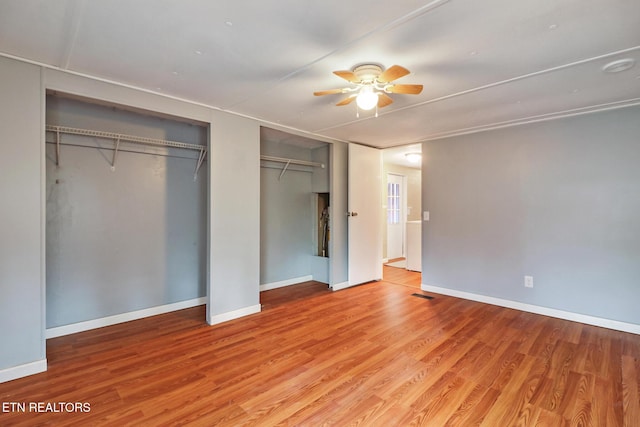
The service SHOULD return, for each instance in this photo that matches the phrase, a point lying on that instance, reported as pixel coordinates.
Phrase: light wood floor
(372, 355)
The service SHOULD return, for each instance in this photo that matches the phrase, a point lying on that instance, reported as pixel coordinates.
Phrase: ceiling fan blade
(384, 100)
(392, 73)
(349, 76)
(347, 100)
(327, 92)
(406, 89)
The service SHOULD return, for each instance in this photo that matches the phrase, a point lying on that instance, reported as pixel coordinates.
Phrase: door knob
(352, 213)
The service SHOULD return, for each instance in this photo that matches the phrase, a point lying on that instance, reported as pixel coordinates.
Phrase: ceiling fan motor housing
(367, 73)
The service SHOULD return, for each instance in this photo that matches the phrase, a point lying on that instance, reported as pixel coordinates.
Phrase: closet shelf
(117, 137)
(292, 161)
(288, 162)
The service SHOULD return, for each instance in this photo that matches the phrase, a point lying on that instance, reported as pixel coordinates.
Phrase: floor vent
(422, 296)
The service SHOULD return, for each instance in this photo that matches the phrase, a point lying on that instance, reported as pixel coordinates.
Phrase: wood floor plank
(514, 398)
(576, 405)
(474, 408)
(371, 355)
(630, 394)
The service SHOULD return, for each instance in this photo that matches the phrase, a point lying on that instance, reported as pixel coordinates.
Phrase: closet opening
(295, 210)
(126, 213)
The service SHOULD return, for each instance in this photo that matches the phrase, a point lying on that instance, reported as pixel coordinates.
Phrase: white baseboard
(385, 260)
(339, 286)
(551, 312)
(283, 283)
(121, 318)
(235, 314)
(25, 370)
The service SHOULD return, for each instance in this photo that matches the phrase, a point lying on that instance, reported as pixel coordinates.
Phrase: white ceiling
(483, 64)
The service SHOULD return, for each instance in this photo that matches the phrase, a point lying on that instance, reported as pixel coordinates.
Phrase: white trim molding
(25, 370)
(283, 283)
(235, 314)
(536, 309)
(121, 318)
(340, 286)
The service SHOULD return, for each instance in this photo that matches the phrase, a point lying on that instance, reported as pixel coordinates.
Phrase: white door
(365, 209)
(395, 216)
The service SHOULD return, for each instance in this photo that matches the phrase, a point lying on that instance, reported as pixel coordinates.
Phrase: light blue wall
(558, 200)
(128, 239)
(287, 216)
(21, 263)
(320, 178)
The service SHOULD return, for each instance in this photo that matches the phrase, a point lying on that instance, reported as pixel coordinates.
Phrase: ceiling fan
(371, 86)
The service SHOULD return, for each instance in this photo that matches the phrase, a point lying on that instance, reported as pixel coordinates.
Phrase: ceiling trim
(522, 77)
(261, 122)
(490, 85)
(531, 119)
(442, 135)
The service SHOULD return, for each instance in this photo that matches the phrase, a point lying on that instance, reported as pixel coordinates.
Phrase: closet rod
(121, 137)
(292, 161)
(117, 137)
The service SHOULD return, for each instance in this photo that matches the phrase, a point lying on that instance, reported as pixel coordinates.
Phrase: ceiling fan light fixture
(367, 99)
(370, 86)
(413, 157)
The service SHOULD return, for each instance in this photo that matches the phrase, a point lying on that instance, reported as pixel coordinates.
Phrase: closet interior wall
(126, 238)
(288, 217)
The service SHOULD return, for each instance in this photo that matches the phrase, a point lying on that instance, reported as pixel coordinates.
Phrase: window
(393, 203)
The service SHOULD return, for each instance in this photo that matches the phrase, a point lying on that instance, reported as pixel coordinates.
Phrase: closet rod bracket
(115, 154)
(57, 147)
(284, 169)
(203, 154)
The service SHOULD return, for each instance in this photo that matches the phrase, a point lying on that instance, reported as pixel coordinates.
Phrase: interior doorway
(402, 192)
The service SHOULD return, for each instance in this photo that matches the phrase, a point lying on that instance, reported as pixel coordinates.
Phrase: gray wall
(234, 209)
(287, 217)
(128, 239)
(320, 179)
(558, 200)
(21, 263)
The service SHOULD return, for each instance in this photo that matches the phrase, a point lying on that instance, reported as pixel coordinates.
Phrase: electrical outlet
(528, 281)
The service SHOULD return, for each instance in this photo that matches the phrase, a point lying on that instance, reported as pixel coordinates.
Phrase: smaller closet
(295, 209)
